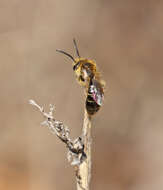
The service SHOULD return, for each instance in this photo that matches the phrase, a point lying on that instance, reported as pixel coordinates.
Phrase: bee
(87, 76)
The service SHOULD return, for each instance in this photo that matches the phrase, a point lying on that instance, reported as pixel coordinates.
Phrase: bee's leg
(81, 80)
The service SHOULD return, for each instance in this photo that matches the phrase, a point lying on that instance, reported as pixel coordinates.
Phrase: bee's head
(76, 61)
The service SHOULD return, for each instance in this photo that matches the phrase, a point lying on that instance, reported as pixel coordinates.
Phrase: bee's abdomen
(91, 106)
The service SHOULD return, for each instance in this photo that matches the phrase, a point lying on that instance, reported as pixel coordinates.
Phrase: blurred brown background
(126, 40)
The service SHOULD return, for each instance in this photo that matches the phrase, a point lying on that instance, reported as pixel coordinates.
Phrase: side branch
(76, 154)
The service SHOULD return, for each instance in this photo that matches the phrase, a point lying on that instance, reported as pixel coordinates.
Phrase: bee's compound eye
(76, 66)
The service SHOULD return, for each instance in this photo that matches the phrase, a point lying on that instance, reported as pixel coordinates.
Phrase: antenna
(61, 51)
(76, 48)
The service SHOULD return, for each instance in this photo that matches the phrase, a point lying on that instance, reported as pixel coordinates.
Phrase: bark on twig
(84, 169)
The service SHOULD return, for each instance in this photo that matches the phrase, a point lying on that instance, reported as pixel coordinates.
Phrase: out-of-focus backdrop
(126, 40)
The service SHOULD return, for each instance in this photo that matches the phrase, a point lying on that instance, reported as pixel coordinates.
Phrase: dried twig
(79, 150)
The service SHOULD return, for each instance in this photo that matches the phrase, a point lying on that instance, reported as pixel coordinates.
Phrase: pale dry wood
(84, 169)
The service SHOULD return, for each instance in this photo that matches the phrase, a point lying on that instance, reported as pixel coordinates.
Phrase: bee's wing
(96, 89)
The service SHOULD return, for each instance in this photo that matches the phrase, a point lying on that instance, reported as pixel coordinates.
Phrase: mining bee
(88, 76)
